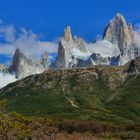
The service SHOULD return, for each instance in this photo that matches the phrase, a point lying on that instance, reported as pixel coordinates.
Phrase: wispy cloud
(137, 35)
(7, 32)
(27, 41)
(6, 79)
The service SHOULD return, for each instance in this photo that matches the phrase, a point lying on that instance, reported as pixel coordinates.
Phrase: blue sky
(48, 18)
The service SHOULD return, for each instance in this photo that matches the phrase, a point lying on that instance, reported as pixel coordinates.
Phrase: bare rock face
(23, 66)
(119, 32)
(45, 60)
(64, 49)
(69, 47)
(62, 58)
(67, 34)
(133, 67)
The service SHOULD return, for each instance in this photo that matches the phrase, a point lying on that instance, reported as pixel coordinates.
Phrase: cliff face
(119, 33)
(67, 34)
(62, 60)
(22, 66)
(66, 46)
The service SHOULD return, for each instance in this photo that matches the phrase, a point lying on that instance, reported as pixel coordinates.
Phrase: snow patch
(80, 54)
(6, 79)
(72, 103)
(104, 48)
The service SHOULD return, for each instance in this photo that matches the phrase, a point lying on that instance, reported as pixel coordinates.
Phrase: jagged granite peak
(70, 49)
(62, 57)
(45, 60)
(120, 17)
(67, 34)
(75, 37)
(119, 32)
(18, 60)
(64, 49)
(22, 66)
(78, 40)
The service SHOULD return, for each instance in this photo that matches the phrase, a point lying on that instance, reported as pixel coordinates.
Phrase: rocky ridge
(111, 76)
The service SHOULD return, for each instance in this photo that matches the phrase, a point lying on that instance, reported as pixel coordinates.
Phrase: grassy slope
(126, 100)
(94, 100)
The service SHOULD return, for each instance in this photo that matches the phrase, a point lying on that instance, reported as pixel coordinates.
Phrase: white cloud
(28, 42)
(7, 32)
(6, 79)
(104, 48)
(137, 35)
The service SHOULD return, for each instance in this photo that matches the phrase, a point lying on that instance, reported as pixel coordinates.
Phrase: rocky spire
(67, 34)
(65, 46)
(62, 57)
(119, 33)
(18, 56)
(23, 66)
(45, 60)
(18, 64)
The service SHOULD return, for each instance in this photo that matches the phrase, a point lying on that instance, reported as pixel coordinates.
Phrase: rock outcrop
(23, 66)
(45, 61)
(119, 32)
(70, 50)
(67, 34)
(134, 66)
(62, 60)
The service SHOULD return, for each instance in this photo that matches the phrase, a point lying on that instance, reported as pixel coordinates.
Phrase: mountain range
(91, 91)
(117, 47)
(101, 92)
